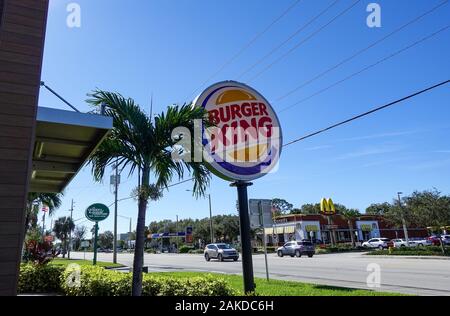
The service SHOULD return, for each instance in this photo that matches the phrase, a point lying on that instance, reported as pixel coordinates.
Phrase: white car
(398, 243)
(420, 241)
(380, 243)
(445, 239)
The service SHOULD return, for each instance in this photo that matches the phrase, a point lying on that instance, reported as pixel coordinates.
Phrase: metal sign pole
(261, 214)
(95, 243)
(247, 264)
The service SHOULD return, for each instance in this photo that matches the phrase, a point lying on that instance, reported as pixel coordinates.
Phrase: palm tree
(140, 142)
(62, 228)
(349, 215)
(34, 201)
(79, 234)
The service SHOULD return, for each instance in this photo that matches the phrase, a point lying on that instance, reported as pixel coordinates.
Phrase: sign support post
(247, 263)
(95, 243)
(95, 213)
(261, 214)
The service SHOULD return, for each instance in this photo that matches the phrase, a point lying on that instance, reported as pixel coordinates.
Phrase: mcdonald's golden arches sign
(327, 206)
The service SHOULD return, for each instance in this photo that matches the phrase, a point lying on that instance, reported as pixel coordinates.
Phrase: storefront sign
(97, 212)
(311, 228)
(245, 140)
(327, 206)
(366, 227)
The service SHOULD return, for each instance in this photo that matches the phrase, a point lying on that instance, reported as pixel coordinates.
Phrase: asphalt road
(402, 275)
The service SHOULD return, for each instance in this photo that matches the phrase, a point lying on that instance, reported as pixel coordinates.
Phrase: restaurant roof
(63, 143)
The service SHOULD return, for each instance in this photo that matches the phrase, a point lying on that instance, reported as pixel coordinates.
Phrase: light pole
(210, 217)
(129, 232)
(405, 230)
(178, 244)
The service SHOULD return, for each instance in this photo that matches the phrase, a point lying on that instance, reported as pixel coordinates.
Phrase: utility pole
(405, 230)
(70, 231)
(116, 187)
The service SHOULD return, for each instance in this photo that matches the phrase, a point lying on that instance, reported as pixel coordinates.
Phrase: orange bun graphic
(233, 96)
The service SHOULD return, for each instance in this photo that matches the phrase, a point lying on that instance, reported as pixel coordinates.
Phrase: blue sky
(169, 48)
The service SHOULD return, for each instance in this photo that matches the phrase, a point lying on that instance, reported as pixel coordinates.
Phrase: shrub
(413, 251)
(338, 248)
(97, 281)
(39, 252)
(39, 278)
(185, 249)
(196, 251)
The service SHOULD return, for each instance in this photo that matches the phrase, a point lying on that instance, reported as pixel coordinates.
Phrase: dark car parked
(297, 248)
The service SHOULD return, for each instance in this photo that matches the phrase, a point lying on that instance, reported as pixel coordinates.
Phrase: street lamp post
(210, 217)
(129, 232)
(405, 230)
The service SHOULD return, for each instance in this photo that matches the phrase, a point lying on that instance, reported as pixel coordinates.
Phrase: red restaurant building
(317, 227)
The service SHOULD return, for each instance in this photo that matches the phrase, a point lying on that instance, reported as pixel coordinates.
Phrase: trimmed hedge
(413, 251)
(339, 249)
(185, 249)
(96, 281)
(40, 278)
(196, 251)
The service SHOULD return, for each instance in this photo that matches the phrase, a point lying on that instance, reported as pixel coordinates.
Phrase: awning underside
(63, 143)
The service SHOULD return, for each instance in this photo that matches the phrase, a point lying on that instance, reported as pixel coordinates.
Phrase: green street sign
(97, 212)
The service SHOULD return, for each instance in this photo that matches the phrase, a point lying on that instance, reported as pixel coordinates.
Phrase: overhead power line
(346, 60)
(169, 186)
(245, 47)
(287, 40)
(304, 41)
(366, 68)
(366, 113)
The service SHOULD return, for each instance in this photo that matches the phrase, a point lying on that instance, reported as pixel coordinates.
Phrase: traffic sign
(97, 212)
(260, 213)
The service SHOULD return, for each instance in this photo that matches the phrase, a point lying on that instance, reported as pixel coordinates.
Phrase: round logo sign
(97, 212)
(244, 140)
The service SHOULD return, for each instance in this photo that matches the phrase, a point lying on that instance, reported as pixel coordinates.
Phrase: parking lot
(426, 276)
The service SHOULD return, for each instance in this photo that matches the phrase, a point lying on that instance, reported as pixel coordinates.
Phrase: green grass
(65, 262)
(282, 288)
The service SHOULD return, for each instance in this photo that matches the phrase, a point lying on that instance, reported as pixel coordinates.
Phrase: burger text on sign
(245, 141)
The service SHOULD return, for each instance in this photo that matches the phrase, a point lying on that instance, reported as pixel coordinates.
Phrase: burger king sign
(244, 140)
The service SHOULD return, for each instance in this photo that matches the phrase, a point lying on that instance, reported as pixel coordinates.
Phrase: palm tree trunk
(63, 242)
(140, 238)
